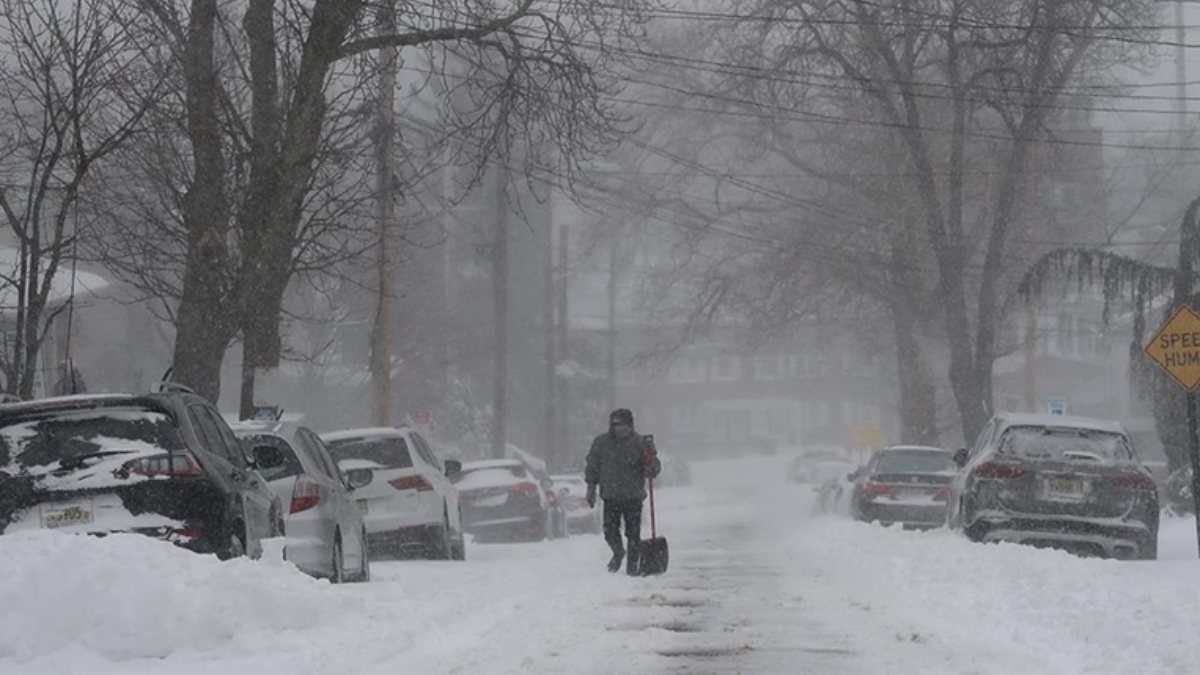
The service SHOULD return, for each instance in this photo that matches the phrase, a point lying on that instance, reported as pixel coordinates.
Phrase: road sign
(1056, 405)
(1176, 347)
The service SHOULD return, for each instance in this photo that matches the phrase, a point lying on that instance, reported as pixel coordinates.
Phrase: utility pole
(1180, 70)
(500, 297)
(563, 409)
(385, 120)
(385, 215)
(612, 322)
(549, 423)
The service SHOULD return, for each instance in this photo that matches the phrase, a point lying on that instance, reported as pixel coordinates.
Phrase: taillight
(1134, 481)
(995, 470)
(524, 488)
(414, 482)
(874, 489)
(176, 464)
(305, 495)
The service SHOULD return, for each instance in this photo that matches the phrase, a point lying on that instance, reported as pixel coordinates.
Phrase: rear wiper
(1082, 454)
(77, 461)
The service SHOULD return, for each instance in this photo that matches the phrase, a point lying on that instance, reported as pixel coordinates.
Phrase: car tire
(235, 545)
(337, 572)
(364, 570)
(439, 547)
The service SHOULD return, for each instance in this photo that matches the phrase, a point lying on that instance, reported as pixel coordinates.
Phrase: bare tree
(76, 86)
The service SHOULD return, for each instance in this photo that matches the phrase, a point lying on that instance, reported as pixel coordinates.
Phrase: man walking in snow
(619, 462)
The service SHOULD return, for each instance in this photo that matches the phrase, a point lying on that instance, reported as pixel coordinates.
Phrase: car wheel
(338, 574)
(364, 570)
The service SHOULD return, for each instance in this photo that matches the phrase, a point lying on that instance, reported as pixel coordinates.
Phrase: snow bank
(128, 596)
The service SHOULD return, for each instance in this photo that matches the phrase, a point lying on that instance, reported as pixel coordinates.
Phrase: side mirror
(960, 457)
(356, 478)
(268, 457)
(453, 466)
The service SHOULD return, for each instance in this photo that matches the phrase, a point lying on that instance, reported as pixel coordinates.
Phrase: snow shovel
(654, 553)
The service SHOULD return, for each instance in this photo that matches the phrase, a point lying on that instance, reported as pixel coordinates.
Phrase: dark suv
(162, 464)
(1064, 482)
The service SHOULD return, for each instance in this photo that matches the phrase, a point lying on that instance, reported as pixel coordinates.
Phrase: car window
(230, 441)
(906, 461)
(389, 451)
(291, 462)
(207, 433)
(316, 449)
(492, 476)
(43, 439)
(427, 452)
(1064, 444)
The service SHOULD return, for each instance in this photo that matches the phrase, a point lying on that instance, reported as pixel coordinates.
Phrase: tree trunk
(918, 399)
(381, 336)
(500, 295)
(202, 330)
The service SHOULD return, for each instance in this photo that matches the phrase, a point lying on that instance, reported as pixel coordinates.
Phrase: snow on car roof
(491, 464)
(922, 448)
(1008, 420)
(365, 432)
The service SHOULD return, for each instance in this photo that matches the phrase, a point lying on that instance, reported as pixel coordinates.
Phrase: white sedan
(408, 502)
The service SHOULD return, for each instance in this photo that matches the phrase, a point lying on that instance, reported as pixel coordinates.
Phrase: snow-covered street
(757, 584)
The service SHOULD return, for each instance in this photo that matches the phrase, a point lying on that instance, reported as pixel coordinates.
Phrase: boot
(615, 563)
(632, 568)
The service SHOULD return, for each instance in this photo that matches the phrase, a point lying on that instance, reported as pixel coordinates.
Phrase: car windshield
(389, 451)
(915, 461)
(291, 463)
(44, 439)
(1056, 443)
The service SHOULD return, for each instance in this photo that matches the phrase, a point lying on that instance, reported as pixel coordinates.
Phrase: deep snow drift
(757, 584)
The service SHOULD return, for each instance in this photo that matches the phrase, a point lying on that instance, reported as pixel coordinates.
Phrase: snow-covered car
(1050, 480)
(830, 480)
(326, 536)
(404, 489)
(572, 494)
(904, 484)
(163, 464)
(502, 501)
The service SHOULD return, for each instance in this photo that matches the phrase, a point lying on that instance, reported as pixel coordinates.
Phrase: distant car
(405, 491)
(537, 467)
(830, 480)
(326, 536)
(503, 501)
(1064, 482)
(163, 464)
(904, 484)
(572, 494)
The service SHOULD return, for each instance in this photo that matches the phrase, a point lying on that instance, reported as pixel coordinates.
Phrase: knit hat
(621, 416)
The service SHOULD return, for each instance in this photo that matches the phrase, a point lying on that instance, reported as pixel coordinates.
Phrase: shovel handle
(653, 524)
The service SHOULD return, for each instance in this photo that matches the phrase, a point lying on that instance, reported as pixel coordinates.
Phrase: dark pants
(631, 511)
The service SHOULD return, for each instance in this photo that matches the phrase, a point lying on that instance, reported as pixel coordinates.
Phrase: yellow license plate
(63, 515)
(1065, 488)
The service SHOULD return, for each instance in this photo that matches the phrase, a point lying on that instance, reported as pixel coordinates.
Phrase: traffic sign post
(1176, 349)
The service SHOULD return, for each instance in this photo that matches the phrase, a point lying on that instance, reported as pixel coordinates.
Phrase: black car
(502, 500)
(162, 464)
(904, 484)
(1062, 482)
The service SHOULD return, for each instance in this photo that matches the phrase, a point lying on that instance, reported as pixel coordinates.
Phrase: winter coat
(621, 467)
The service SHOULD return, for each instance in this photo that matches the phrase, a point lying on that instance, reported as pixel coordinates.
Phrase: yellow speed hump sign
(1176, 347)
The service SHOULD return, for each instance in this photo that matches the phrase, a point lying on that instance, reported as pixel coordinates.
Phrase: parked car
(404, 489)
(572, 494)
(537, 467)
(830, 481)
(503, 501)
(163, 464)
(904, 484)
(326, 536)
(1067, 482)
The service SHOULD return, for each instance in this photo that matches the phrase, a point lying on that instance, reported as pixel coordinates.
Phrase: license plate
(69, 513)
(1065, 488)
(362, 505)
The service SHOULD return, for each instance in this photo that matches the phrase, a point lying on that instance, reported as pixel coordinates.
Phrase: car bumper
(918, 515)
(403, 540)
(1111, 537)
(310, 544)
